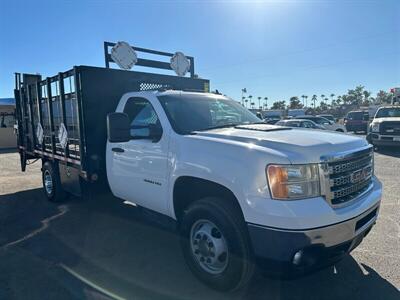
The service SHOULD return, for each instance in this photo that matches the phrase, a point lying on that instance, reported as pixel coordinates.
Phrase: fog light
(297, 257)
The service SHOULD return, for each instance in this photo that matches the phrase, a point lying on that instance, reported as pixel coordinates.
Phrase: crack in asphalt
(45, 224)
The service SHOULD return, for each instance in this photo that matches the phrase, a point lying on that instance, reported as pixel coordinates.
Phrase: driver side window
(142, 116)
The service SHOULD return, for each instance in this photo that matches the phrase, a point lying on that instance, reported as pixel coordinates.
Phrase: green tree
(303, 97)
(339, 100)
(383, 97)
(294, 103)
(357, 96)
(279, 105)
(323, 106)
(259, 102)
(367, 98)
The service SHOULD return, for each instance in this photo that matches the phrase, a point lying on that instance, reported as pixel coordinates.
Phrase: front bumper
(384, 140)
(275, 249)
(356, 127)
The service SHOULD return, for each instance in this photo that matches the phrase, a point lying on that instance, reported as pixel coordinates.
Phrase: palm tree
(244, 91)
(314, 99)
(259, 102)
(266, 102)
(305, 96)
(332, 95)
(250, 97)
(246, 100)
(252, 104)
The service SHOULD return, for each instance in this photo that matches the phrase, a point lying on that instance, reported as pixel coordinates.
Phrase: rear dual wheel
(52, 184)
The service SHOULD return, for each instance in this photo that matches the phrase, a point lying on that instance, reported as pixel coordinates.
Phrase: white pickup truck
(244, 194)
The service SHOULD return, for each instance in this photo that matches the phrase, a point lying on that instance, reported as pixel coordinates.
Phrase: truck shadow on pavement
(102, 249)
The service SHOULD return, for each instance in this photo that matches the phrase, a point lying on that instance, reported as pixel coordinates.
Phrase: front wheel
(215, 244)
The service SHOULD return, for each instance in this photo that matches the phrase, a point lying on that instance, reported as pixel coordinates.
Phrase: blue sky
(276, 49)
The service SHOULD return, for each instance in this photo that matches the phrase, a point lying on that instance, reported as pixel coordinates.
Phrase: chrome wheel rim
(48, 182)
(209, 247)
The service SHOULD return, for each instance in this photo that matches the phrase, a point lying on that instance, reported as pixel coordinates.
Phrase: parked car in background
(384, 129)
(296, 113)
(357, 121)
(329, 117)
(329, 125)
(272, 121)
(300, 123)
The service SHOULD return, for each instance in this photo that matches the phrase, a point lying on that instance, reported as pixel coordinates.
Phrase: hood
(298, 145)
(388, 119)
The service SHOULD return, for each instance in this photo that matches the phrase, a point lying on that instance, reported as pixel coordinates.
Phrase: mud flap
(22, 157)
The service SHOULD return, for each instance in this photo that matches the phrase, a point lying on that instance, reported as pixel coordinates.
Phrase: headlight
(375, 127)
(288, 182)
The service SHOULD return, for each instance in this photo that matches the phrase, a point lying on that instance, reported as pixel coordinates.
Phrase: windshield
(195, 112)
(357, 115)
(388, 112)
(330, 118)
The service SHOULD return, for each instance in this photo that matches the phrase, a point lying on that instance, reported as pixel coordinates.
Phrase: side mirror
(155, 132)
(118, 128)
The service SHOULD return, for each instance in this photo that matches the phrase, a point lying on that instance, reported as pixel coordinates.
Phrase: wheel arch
(188, 189)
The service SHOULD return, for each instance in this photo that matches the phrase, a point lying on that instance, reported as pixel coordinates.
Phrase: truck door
(138, 168)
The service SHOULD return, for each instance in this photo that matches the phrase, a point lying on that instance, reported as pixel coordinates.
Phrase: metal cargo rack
(80, 99)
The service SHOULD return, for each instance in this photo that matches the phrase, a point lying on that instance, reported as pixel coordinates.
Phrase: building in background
(7, 120)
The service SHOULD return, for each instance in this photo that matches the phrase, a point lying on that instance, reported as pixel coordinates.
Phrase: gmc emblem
(359, 175)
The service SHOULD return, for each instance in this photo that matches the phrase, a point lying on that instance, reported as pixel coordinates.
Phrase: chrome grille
(346, 175)
(349, 166)
(390, 128)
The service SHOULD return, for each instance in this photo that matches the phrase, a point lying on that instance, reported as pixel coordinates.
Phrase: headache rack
(80, 99)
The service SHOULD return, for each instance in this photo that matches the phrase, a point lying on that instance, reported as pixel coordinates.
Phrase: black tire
(55, 193)
(239, 267)
(339, 130)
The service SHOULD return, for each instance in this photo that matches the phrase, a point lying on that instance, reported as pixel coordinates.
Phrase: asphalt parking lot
(102, 249)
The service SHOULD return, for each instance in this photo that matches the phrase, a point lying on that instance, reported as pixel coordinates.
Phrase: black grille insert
(366, 219)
